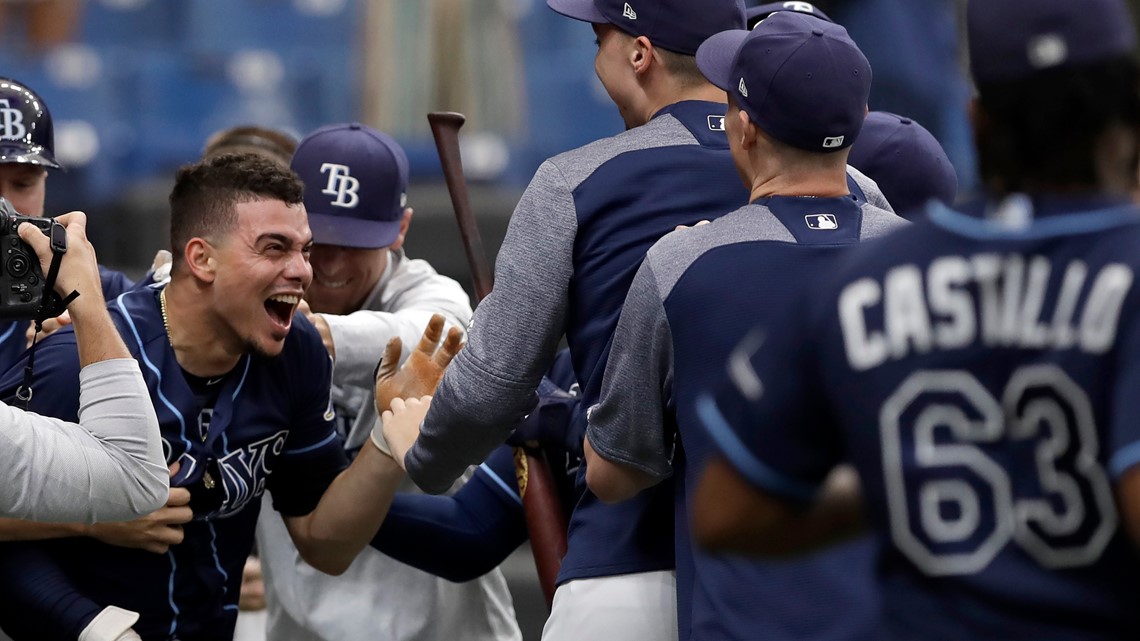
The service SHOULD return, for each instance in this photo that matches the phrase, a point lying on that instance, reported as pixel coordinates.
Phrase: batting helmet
(25, 126)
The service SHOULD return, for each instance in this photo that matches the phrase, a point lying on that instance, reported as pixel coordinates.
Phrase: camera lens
(17, 266)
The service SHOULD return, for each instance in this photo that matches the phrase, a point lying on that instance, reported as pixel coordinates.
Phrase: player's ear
(200, 260)
(748, 130)
(404, 224)
(641, 54)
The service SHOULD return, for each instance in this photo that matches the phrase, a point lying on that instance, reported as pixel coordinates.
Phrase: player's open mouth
(281, 308)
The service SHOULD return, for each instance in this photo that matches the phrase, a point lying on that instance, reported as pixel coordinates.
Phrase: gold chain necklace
(165, 320)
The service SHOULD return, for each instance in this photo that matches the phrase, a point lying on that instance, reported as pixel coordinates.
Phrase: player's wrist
(379, 441)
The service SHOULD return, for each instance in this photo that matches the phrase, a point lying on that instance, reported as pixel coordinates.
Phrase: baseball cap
(26, 132)
(905, 160)
(755, 14)
(677, 25)
(356, 184)
(1013, 39)
(800, 79)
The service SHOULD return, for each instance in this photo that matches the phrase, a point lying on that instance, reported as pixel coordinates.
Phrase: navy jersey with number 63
(985, 381)
(271, 428)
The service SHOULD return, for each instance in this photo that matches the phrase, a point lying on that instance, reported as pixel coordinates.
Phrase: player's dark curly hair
(202, 203)
(1045, 132)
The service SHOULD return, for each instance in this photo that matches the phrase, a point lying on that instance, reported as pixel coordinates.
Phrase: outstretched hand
(423, 370)
(401, 425)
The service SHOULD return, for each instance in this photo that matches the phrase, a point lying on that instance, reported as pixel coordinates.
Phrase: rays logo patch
(821, 221)
(716, 123)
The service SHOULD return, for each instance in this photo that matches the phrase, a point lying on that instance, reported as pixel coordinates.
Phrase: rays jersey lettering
(999, 300)
(11, 122)
(342, 185)
(245, 471)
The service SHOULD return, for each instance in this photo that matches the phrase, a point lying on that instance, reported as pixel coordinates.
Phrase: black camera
(21, 279)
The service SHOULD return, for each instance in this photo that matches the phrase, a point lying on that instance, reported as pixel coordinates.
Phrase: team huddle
(808, 394)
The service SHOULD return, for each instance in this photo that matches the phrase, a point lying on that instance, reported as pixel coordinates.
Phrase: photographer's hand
(79, 271)
(50, 326)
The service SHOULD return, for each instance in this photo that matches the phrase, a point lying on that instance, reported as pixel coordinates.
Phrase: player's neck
(656, 100)
(831, 184)
(191, 330)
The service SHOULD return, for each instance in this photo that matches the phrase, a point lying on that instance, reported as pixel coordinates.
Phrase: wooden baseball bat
(545, 520)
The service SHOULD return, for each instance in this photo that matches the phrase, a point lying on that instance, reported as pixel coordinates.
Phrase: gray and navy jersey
(982, 377)
(697, 294)
(573, 245)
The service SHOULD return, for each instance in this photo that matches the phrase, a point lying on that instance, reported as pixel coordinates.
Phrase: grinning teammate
(979, 369)
(701, 290)
(241, 387)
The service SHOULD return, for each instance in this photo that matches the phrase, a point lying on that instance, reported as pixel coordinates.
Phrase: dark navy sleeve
(463, 536)
(313, 454)
(764, 414)
(55, 381)
(40, 601)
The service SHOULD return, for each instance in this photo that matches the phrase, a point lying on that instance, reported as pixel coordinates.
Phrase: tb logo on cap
(802, 7)
(341, 185)
(11, 122)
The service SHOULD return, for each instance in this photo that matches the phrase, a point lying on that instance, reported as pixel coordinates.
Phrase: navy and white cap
(676, 25)
(905, 160)
(755, 14)
(800, 79)
(1014, 39)
(356, 185)
(26, 133)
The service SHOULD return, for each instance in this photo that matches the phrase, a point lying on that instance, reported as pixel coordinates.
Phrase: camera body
(21, 279)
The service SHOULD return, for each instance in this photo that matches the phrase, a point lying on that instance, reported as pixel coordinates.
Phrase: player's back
(986, 379)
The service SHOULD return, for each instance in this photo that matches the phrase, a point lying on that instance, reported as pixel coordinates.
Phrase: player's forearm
(730, 515)
(349, 513)
(613, 482)
(96, 335)
(21, 530)
(464, 425)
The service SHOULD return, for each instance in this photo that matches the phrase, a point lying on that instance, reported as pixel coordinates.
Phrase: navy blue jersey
(271, 428)
(983, 380)
(697, 293)
(12, 339)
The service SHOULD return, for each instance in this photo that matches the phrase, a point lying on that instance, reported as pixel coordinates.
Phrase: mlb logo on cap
(821, 221)
(356, 183)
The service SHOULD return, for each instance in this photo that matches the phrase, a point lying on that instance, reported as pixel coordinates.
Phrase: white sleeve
(410, 298)
(109, 467)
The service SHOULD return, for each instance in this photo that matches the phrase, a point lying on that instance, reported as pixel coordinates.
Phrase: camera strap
(51, 305)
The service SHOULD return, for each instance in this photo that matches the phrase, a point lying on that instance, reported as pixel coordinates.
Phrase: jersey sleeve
(763, 413)
(627, 426)
(412, 294)
(314, 454)
(514, 335)
(40, 601)
(463, 536)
